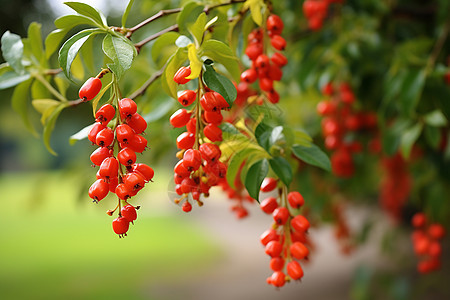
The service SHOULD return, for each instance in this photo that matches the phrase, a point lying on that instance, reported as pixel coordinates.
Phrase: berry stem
(49, 87)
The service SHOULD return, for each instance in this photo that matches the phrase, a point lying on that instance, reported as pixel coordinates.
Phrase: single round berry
(294, 270)
(299, 250)
(274, 248)
(124, 133)
(268, 184)
(128, 212)
(146, 171)
(213, 132)
(120, 226)
(295, 199)
(280, 215)
(98, 190)
(138, 143)
(187, 97)
(186, 206)
(99, 155)
(300, 223)
(181, 74)
(105, 114)
(185, 140)
(268, 205)
(90, 89)
(126, 157)
(137, 123)
(127, 108)
(180, 118)
(105, 137)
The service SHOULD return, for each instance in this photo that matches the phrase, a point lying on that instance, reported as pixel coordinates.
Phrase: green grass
(52, 247)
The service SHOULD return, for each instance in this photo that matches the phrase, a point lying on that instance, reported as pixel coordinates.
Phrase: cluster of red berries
(126, 134)
(286, 241)
(426, 241)
(316, 11)
(338, 125)
(265, 69)
(395, 186)
(199, 167)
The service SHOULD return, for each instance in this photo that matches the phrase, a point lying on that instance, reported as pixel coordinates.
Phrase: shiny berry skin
(262, 62)
(275, 24)
(120, 226)
(185, 140)
(221, 101)
(105, 137)
(92, 135)
(214, 117)
(266, 84)
(127, 108)
(254, 50)
(191, 125)
(126, 157)
(187, 97)
(181, 170)
(268, 205)
(186, 207)
(138, 143)
(187, 185)
(274, 248)
(134, 181)
(192, 159)
(146, 171)
(109, 168)
(268, 184)
(268, 235)
(105, 114)
(213, 132)
(181, 74)
(277, 263)
(209, 102)
(90, 89)
(137, 123)
(249, 76)
(300, 223)
(278, 42)
(113, 182)
(210, 152)
(299, 250)
(180, 118)
(123, 192)
(280, 215)
(98, 190)
(99, 155)
(275, 72)
(128, 212)
(295, 199)
(278, 279)
(294, 270)
(279, 59)
(124, 133)
(273, 96)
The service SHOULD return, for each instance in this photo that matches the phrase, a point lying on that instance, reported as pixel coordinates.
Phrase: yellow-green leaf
(195, 63)
(45, 107)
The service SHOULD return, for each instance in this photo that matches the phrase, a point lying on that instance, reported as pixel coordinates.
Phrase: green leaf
(235, 163)
(433, 136)
(45, 107)
(39, 91)
(53, 41)
(312, 155)
(70, 21)
(256, 7)
(120, 52)
(50, 125)
(221, 53)
(188, 16)
(409, 137)
(80, 135)
(392, 135)
(88, 11)
(198, 29)
(174, 63)
(164, 47)
(62, 85)
(12, 50)
(34, 35)
(126, 13)
(255, 176)
(281, 167)
(70, 49)
(19, 103)
(411, 90)
(219, 83)
(11, 78)
(276, 135)
(435, 118)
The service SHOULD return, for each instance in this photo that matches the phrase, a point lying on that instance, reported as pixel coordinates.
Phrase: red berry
(326, 107)
(192, 159)
(138, 143)
(419, 220)
(209, 102)
(92, 135)
(124, 192)
(113, 182)
(181, 170)
(90, 89)
(266, 84)
(185, 140)
(273, 96)
(436, 231)
(127, 108)
(128, 212)
(120, 226)
(278, 279)
(279, 59)
(214, 117)
(275, 72)
(278, 42)
(328, 89)
(249, 76)
(99, 155)
(213, 132)
(300, 223)
(124, 133)
(186, 207)
(187, 185)
(126, 157)
(421, 246)
(105, 137)
(299, 250)
(109, 168)
(210, 152)
(253, 50)
(295, 199)
(435, 249)
(137, 123)
(277, 263)
(180, 118)
(281, 215)
(268, 184)
(105, 114)
(294, 270)
(191, 125)
(134, 181)
(274, 248)
(268, 205)
(146, 171)
(187, 97)
(275, 24)
(269, 235)
(181, 74)
(98, 190)
(262, 62)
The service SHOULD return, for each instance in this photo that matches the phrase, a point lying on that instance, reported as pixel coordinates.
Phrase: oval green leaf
(312, 155)
(281, 167)
(255, 176)
(219, 83)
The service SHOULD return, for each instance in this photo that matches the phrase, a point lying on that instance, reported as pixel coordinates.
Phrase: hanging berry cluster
(286, 241)
(339, 125)
(316, 11)
(265, 69)
(118, 142)
(426, 241)
(199, 167)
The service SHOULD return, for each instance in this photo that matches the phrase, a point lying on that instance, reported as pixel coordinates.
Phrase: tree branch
(156, 16)
(140, 91)
(155, 36)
